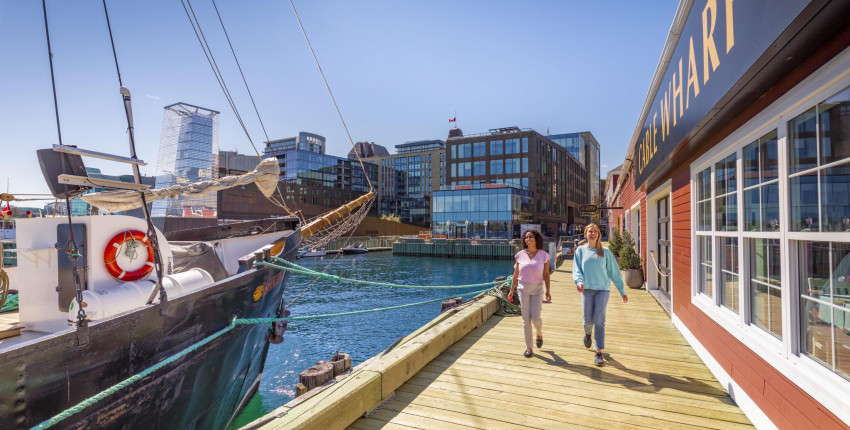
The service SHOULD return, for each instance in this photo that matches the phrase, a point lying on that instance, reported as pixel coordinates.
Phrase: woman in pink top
(531, 272)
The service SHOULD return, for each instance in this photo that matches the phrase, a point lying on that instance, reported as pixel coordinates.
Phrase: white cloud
(151, 96)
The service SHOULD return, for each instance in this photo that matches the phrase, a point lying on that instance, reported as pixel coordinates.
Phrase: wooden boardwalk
(652, 378)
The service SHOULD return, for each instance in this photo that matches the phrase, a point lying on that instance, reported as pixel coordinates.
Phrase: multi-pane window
(740, 251)
(766, 285)
(725, 196)
(479, 149)
(819, 166)
(761, 184)
(705, 279)
(479, 168)
(824, 279)
(703, 183)
(512, 165)
(497, 147)
(512, 146)
(728, 287)
(497, 167)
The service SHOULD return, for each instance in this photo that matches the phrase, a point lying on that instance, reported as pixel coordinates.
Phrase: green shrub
(629, 259)
(615, 242)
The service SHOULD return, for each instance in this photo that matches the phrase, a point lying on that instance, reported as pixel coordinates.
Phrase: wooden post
(316, 375)
(341, 362)
(450, 303)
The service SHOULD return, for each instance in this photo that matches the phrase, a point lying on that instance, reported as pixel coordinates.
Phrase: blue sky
(399, 71)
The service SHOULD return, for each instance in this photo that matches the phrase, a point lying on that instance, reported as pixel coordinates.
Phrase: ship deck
(652, 378)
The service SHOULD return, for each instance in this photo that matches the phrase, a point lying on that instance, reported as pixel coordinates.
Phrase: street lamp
(485, 229)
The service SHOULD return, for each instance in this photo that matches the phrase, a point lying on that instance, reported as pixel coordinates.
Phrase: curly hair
(538, 239)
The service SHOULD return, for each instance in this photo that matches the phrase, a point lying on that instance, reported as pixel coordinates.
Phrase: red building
(737, 181)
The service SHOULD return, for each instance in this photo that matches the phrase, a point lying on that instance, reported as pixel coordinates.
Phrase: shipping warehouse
(736, 187)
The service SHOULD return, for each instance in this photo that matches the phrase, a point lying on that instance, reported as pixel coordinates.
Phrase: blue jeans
(593, 304)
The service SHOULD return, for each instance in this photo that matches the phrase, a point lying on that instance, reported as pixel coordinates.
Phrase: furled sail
(265, 176)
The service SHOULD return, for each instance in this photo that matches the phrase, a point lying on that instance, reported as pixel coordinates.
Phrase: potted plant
(630, 262)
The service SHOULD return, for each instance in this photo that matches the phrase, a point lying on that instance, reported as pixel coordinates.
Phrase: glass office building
(584, 147)
(188, 153)
(479, 211)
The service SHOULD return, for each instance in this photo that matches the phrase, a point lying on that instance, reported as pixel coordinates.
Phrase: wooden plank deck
(652, 377)
(10, 325)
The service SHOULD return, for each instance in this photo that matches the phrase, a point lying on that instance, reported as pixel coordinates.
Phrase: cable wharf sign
(720, 41)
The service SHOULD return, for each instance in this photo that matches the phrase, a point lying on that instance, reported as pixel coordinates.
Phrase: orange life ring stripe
(111, 253)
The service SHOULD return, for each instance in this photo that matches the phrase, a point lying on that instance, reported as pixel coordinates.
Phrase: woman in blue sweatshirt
(594, 268)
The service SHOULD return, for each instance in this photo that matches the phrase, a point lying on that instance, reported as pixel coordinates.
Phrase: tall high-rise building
(585, 149)
(188, 152)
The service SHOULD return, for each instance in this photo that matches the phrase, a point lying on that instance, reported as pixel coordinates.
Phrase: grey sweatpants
(531, 300)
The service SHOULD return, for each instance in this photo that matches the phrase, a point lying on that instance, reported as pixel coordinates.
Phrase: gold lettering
(693, 78)
(646, 140)
(654, 133)
(709, 49)
(730, 26)
(665, 116)
(677, 91)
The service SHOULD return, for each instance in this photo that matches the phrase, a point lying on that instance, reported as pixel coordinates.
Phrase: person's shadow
(656, 381)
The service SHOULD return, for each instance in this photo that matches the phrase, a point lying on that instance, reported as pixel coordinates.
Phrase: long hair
(538, 239)
(598, 245)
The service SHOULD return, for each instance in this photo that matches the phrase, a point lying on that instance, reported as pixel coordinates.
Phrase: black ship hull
(202, 390)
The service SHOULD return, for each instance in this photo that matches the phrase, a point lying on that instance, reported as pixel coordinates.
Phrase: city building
(188, 153)
(234, 163)
(408, 179)
(312, 182)
(612, 178)
(524, 160)
(737, 180)
(584, 147)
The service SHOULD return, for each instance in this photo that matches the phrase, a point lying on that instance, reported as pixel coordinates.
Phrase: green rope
(236, 322)
(305, 271)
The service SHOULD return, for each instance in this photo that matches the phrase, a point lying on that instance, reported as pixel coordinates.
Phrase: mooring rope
(292, 267)
(236, 322)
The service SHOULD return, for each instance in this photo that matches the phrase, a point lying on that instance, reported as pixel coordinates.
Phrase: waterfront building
(312, 182)
(737, 181)
(482, 211)
(409, 178)
(584, 147)
(524, 160)
(188, 152)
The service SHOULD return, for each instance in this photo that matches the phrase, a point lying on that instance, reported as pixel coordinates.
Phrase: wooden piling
(313, 377)
(341, 363)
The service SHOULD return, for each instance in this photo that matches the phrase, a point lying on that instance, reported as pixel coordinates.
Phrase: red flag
(453, 119)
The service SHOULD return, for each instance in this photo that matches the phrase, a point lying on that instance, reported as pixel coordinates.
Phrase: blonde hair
(600, 252)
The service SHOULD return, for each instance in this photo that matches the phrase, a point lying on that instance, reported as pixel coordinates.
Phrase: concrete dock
(465, 370)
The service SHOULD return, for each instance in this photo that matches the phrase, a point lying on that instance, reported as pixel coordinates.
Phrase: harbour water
(362, 336)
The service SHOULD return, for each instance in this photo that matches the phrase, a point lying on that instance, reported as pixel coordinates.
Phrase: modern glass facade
(481, 211)
(584, 147)
(188, 153)
(526, 160)
(304, 141)
(409, 178)
(321, 170)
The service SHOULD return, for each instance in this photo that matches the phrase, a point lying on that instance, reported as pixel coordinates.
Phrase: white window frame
(785, 356)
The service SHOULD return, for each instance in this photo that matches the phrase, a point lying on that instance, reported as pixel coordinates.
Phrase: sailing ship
(125, 327)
